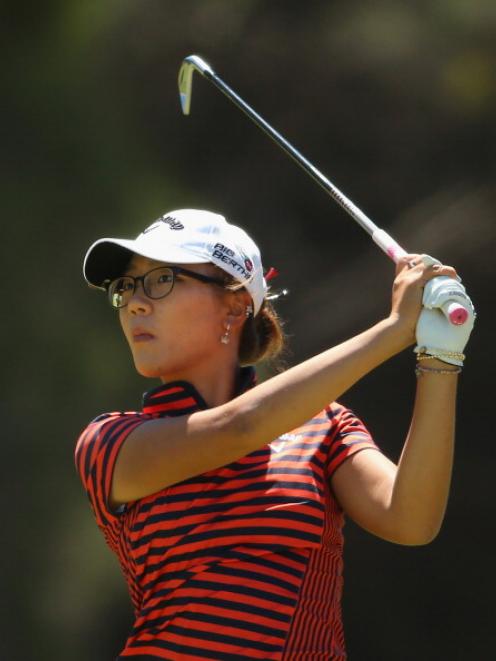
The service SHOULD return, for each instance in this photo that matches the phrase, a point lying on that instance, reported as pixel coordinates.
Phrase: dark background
(395, 102)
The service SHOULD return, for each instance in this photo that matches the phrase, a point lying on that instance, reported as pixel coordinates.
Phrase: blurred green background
(395, 102)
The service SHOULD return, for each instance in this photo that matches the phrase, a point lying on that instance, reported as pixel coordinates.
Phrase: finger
(408, 262)
(438, 266)
(435, 270)
(428, 260)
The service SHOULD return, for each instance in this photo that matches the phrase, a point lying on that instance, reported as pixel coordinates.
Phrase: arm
(162, 452)
(406, 503)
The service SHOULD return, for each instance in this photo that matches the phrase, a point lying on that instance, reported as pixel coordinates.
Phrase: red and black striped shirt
(241, 562)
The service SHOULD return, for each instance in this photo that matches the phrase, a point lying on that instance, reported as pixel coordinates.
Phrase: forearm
(421, 487)
(289, 399)
(406, 503)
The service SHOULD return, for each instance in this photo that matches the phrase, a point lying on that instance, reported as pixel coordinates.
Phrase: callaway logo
(168, 220)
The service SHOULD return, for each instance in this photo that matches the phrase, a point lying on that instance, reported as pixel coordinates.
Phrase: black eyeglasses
(157, 283)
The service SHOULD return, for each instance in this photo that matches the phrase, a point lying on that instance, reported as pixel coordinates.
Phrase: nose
(139, 303)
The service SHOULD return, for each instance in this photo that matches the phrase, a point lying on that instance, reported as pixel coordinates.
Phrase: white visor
(184, 236)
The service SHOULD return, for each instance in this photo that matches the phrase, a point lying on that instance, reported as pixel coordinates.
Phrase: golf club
(455, 312)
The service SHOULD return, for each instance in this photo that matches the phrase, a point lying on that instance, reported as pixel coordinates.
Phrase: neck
(216, 383)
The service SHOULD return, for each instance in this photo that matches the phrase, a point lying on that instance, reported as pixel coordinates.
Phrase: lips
(142, 335)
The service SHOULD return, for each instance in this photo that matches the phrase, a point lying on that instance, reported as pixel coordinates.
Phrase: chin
(159, 366)
(149, 373)
(155, 370)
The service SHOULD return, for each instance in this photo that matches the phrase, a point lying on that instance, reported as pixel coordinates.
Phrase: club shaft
(358, 215)
(452, 309)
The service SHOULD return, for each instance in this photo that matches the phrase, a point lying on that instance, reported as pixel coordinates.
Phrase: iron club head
(185, 78)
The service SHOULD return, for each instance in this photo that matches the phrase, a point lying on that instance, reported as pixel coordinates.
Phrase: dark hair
(262, 337)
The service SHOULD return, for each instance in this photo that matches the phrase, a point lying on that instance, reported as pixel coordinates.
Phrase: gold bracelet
(423, 355)
(426, 370)
(428, 356)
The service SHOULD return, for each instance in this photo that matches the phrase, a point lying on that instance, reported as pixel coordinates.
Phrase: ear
(238, 304)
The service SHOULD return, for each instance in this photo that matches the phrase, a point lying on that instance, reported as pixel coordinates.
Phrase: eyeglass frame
(176, 270)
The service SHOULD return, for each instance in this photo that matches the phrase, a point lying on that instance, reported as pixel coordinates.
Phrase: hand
(413, 272)
(436, 335)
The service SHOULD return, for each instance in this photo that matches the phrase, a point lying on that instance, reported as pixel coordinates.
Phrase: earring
(225, 338)
(249, 310)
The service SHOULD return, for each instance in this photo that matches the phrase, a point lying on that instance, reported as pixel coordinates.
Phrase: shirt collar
(181, 397)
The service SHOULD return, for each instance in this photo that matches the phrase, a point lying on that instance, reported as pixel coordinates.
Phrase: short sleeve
(96, 452)
(347, 436)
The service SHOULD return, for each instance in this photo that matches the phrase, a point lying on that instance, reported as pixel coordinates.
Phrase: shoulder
(96, 451)
(340, 415)
(335, 417)
(101, 434)
(105, 426)
(346, 434)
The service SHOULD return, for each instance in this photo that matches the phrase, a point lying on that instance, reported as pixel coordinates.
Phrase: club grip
(388, 245)
(454, 312)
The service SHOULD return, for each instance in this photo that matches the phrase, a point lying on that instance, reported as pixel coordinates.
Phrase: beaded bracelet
(426, 370)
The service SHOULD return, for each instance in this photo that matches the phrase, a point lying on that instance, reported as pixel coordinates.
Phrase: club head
(185, 78)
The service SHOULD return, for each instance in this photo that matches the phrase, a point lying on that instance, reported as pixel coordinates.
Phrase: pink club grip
(455, 312)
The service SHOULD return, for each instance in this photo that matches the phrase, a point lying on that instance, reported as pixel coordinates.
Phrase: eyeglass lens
(156, 284)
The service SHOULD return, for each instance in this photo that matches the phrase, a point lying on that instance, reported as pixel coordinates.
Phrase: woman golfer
(224, 500)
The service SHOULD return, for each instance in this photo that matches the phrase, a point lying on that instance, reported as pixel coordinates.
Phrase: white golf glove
(436, 335)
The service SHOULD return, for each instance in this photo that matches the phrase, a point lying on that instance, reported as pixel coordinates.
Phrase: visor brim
(107, 259)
